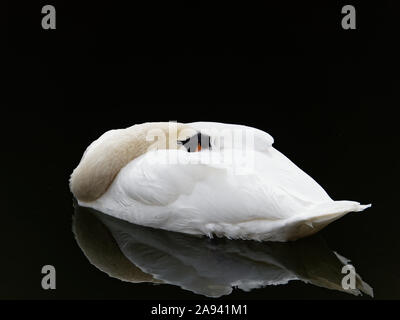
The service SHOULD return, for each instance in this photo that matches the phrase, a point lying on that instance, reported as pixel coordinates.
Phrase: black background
(327, 95)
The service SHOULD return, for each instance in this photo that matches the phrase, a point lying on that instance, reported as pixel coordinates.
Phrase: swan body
(218, 191)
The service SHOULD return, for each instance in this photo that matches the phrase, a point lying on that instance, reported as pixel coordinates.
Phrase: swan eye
(197, 143)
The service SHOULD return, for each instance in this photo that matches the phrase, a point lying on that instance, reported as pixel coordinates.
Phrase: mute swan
(203, 178)
(137, 254)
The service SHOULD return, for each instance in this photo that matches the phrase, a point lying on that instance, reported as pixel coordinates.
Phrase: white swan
(232, 183)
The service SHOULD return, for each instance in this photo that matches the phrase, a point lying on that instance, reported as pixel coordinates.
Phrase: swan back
(106, 156)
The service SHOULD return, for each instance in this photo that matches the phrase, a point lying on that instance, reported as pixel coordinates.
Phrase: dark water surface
(46, 227)
(208, 267)
(326, 95)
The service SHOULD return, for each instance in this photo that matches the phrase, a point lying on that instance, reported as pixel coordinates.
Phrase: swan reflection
(209, 267)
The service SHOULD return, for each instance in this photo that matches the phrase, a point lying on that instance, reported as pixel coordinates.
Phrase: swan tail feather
(298, 226)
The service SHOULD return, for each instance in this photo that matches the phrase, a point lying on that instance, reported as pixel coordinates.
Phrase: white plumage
(259, 194)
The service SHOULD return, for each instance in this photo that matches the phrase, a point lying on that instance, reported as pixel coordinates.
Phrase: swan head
(197, 142)
(106, 156)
